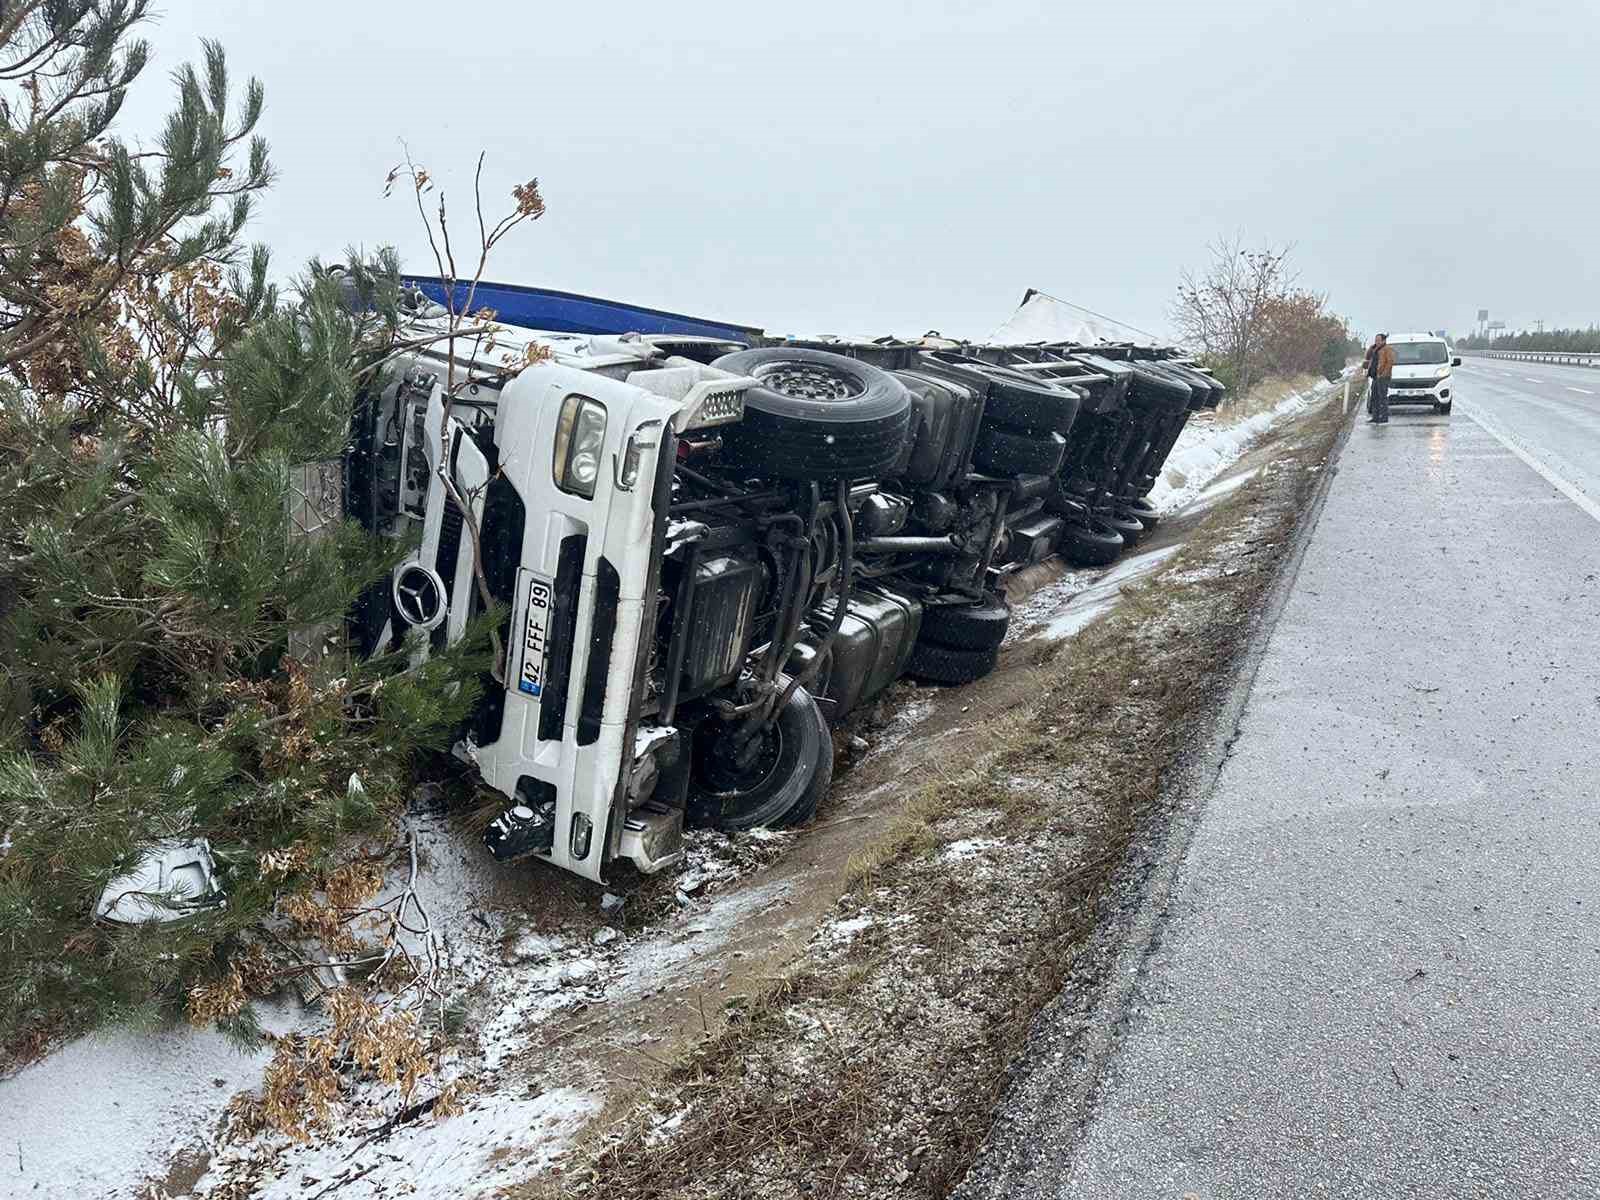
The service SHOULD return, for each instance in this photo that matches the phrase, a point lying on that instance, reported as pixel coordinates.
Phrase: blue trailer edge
(569, 312)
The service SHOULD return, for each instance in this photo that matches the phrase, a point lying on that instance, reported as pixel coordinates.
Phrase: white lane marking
(1531, 379)
(1568, 489)
(1583, 391)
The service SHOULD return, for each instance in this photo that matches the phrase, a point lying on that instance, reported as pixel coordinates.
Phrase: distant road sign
(1497, 324)
(1483, 314)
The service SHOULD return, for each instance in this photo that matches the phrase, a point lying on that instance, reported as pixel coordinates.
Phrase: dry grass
(873, 1067)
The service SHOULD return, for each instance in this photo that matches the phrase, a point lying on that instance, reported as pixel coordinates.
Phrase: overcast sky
(872, 168)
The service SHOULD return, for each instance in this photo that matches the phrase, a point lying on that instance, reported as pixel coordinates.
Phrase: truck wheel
(1018, 400)
(784, 783)
(1030, 407)
(1145, 513)
(815, 416)
(1001, 452)
(946, 664)
(1092, 545)
(1155, 387)
(980, 626)
(1128, 525)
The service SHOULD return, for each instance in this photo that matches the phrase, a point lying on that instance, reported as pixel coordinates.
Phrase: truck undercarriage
(709, 548)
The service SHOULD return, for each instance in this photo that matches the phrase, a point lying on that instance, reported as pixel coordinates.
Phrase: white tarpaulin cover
(1043, 318)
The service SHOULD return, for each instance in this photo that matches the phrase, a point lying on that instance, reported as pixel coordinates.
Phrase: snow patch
(656, 962)
(101, 1115)
(1046, 603)
(842, 930)
(1222, 488)
(966, 848)
(906, 718)
(487, 1147)
(1205, 449)
(1095, 601)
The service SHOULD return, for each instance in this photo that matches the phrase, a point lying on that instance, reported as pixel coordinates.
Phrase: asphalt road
(1551, 412)
(1379, 971)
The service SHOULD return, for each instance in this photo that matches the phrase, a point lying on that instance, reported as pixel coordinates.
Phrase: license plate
(535, 627)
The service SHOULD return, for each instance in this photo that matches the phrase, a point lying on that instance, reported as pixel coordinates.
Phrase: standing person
(1380, 366)
(1369, 369)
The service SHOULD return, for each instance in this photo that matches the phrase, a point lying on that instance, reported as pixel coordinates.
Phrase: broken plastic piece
(174, 880)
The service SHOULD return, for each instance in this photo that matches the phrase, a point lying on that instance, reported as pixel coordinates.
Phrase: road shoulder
(1374, 973)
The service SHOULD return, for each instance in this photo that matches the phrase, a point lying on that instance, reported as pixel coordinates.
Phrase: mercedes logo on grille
(419, 595)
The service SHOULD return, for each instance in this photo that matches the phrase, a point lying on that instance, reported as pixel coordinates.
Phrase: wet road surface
(1550, 412)
(1379, 975)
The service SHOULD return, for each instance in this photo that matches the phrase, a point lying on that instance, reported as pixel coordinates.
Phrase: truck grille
(451, 527)
(563, 631)
(602, 632)
(505, 519)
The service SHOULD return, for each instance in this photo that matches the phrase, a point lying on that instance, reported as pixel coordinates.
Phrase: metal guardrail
(1564, 357)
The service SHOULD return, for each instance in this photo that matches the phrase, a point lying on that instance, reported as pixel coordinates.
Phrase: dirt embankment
(871, 1063)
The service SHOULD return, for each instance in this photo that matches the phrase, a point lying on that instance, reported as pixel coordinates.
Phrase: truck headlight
(1441, 373)
(580, 435)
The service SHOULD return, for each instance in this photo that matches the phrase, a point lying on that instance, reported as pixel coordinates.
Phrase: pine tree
(157, 396)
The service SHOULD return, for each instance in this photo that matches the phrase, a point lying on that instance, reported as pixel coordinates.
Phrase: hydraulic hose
(847, 555)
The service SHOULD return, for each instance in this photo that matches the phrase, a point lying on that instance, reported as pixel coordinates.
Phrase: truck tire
(1145, 513)
(946, 664)
(815, 416)
(1030, 407)
(1093, 545)
(1001, 452)
(1154, 387)
(1019, 401)
(787, 781)
(1128, 525)
(980, 626)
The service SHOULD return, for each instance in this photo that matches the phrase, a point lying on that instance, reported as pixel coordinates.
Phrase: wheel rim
(742, 790)
(809, 381)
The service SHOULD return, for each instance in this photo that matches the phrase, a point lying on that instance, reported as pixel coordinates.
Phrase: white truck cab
(560, 466)
(1423, 374)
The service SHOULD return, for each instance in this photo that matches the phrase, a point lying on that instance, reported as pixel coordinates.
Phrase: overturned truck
(710, 545)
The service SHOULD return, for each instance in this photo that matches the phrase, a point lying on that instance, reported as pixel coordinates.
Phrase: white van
(1422, 371)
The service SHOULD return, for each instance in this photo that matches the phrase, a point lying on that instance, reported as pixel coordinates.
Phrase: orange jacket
(1385, 360)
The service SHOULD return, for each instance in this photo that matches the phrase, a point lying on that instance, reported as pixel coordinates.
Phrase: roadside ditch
(963, 878)
(824, 1012)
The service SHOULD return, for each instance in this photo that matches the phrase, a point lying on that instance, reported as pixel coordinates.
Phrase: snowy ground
(156, 1102)
(1212, 442)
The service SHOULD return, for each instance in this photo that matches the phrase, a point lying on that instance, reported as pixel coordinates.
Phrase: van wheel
(946, 664)
(782, 786)
(980, 626)
(815, 415)
(1443, 409)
